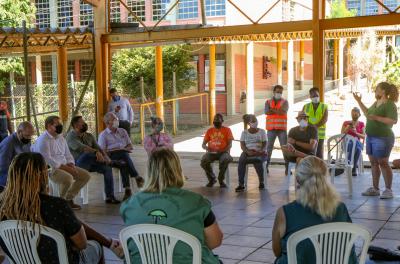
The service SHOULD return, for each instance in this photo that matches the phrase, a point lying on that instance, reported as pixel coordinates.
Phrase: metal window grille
(215, 7)
(159, 8)
(138, 7)
(188, 9)
(64, 13)
(85, 65)
(354, 5)
(42, 13)
(47, 72)
(371, 7)
(391, 4)
(71, 69)
(115, 11)
(85, 14)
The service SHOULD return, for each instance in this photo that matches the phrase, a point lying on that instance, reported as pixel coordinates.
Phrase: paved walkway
(247, 218)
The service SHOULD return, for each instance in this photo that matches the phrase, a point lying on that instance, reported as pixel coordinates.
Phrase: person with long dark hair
(381, 117)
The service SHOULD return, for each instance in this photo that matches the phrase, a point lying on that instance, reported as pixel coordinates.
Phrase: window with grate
(85, 65)
(188, 9)
(391, 4)
(85, 14)
(354, 5)
(138, 7)
(64, 13)
(215, 7)
(115, 11)
(159, 8)
(47, 72)
(42, 13)
(71, 69)
(371, 7)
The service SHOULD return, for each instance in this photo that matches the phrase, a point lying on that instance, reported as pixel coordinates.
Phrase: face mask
(25, 141)
(84, 128)
(159, 127)
(217, 124)
(277, 96)
(303, 123)
(253, 125)
(315, 100)
(116, 98)
(59, 129)
(115, 123)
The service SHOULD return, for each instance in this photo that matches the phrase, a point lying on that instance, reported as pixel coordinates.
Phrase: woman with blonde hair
(317, 202)
(163, 201)
(25, 198)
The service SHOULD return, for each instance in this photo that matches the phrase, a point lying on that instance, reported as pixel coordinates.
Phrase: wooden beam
(187, 34)
(363, 21)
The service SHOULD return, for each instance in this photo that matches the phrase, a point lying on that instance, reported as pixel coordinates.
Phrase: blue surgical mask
(116, 98)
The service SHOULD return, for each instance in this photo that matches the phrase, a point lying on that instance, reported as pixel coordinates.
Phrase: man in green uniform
(317, 113)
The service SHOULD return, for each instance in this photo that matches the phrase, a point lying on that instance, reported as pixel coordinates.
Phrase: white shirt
(254, 141)
(125, 113)
(54, 150)
(109, 140)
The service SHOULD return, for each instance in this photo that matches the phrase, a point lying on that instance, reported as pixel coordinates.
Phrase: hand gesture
(117, 108)
(291, 141)
(357, 97)
(100, 157)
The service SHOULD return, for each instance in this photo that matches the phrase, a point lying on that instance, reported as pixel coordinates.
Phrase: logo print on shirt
(157, 215)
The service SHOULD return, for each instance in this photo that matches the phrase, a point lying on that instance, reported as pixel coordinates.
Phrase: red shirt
(359, 128)
(218, 138)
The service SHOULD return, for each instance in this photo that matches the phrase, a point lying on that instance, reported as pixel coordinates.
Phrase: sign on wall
(220, 75)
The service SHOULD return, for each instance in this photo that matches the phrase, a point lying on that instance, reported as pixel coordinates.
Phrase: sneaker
(116, 248)
(240, 188)
(222, 185)
(387, 194)
(261, 186)
(211, 183)
(139, 181)
(371, 191)
(128, 193)
(73, 205)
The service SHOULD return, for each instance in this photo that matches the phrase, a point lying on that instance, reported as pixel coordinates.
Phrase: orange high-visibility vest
(276, 122)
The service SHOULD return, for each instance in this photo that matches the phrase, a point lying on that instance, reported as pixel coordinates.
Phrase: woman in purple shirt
(157, 139)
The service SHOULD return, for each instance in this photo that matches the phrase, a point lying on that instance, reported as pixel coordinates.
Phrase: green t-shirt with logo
(379, 129)
(177, 208)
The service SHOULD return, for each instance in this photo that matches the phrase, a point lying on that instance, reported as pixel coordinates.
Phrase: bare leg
(376, 172)
(387, 172)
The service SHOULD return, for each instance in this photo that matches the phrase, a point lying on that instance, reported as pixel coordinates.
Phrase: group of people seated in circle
(25, 172)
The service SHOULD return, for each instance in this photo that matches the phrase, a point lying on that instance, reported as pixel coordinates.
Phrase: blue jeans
(272, 135)
(357, 152)
(128, 169)
(379, 147)
(258, 165)
(88, 161)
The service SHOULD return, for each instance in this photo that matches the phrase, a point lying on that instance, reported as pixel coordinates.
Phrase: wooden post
(250, 78)
(301, 64)
(159, 83)
(62, 70)
(279, 62)
(318, 47)
(212, 83)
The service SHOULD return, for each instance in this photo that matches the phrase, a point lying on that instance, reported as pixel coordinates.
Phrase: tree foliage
(339, 9)
(391, 71)
(130, 65)
(12, 13)
(367, 58)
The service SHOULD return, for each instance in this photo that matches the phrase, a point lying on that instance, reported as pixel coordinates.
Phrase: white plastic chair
(55, 191)
(264, 164)
(332, 242)
(341, 158)
(21, 240)
(290, 173)
(156, 243)
(227, 177)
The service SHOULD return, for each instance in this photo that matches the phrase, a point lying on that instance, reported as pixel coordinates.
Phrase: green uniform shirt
(177, 208)
(316, 115)
(379, 129)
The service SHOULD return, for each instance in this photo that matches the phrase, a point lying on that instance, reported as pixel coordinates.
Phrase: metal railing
(174, 114)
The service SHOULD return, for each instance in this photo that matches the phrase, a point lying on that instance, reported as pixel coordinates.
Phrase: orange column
(159, 83)
(212, 83)
(318, 46)
(62, 70)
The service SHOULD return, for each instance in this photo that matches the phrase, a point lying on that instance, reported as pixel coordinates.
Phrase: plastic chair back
(333, 242)
(156, 243)
(21, 240)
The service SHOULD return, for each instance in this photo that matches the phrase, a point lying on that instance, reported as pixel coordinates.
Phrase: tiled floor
(247, 218)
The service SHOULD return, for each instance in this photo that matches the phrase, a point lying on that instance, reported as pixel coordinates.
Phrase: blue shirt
(9, 148)
(125, 111)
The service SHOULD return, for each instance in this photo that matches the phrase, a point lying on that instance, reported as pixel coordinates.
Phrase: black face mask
(84, 128)
(59, 129)
(217, 124)
(25, 141)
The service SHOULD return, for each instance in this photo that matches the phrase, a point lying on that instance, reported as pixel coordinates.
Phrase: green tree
(12, 13)
(392, 68)
(130, 65)
(339, 9)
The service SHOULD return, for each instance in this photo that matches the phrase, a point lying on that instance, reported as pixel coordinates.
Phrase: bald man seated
(16, 143)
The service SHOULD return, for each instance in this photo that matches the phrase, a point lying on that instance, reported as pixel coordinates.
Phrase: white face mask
(303, 123)
(315, 100)
(253, 125)
(277, 96)
(115, 123)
